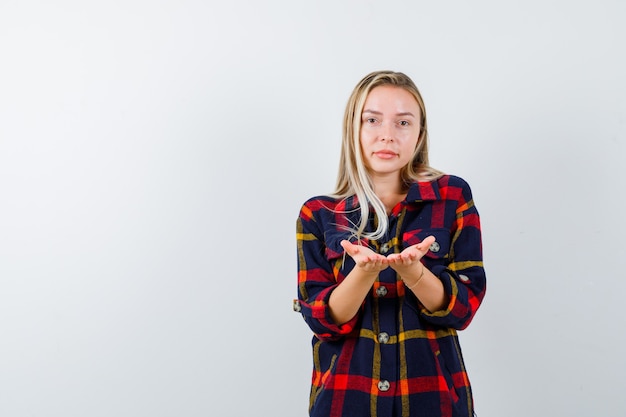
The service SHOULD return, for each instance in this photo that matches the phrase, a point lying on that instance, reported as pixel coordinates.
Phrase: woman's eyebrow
(405, 113)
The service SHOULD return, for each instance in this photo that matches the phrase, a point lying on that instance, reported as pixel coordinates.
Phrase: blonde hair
(353, 178)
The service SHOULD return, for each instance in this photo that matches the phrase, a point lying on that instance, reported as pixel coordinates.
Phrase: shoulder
(315, 206)
(452, 181)
(444, 187)
(322, 202)
(454, 188)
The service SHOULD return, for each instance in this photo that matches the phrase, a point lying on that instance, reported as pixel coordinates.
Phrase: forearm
(427, 287)
(347, 297)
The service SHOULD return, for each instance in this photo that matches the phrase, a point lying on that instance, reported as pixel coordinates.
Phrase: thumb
(424, 245)
(351, 248)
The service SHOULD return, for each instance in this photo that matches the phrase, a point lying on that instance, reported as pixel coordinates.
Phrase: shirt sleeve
(463, 278)
(317, 278)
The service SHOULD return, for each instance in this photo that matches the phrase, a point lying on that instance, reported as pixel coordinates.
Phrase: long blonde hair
(353, 178)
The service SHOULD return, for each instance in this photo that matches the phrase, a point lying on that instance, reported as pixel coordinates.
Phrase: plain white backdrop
(154, 156)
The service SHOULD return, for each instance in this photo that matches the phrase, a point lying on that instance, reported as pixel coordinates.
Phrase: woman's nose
(386, 134)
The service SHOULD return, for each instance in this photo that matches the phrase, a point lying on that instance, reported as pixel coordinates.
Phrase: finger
(351, 248)
(379, 259)
(408, 260)
(374, 263)
(394, 258)
(424, 245)
(409, 256)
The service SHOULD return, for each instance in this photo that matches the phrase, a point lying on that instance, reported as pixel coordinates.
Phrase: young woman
(389, 267)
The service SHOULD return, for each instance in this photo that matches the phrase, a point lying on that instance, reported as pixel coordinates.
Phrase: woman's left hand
(406, 262)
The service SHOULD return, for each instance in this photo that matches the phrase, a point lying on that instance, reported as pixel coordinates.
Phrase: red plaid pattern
(394, 358)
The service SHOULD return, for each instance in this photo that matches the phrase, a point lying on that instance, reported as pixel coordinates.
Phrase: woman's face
(390, 127)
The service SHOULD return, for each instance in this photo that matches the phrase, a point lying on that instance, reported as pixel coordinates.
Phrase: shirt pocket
(439, 251)
(332, 241)
(340, 263)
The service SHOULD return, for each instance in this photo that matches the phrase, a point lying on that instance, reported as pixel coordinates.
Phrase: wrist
(366, 273)
(417, 281)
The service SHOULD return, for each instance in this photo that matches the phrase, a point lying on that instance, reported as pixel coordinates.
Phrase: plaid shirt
(394, 358)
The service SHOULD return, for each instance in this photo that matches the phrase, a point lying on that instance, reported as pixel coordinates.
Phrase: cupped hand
(408, 259)
(364, 257)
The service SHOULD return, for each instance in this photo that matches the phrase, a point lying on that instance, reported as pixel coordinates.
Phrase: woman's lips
(385, 154)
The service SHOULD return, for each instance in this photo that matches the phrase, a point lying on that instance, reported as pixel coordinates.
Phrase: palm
(364, 257)
(406, 261)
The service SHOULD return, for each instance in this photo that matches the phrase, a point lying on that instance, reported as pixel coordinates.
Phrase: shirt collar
(418, 191)
(423, 191)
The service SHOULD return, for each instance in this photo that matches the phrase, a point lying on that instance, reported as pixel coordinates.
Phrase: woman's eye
(404, 123)
(370, 120)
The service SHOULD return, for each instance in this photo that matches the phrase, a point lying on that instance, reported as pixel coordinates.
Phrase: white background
(154, 156)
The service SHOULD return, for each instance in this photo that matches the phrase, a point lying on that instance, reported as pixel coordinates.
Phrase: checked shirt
(394, 358)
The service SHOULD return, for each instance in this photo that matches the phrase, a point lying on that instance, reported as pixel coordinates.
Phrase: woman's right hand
(348, 296)
(365, 258)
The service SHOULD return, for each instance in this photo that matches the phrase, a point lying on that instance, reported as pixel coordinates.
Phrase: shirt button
(384, 248)
(463, 278)
(435, 247)
(383, 385)
(381, 291)
(383, 337)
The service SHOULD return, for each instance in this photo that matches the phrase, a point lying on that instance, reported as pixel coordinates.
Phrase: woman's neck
(391, 191)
